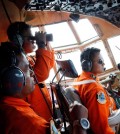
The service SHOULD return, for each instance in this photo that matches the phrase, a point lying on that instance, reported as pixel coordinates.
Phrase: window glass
(100, 45)
(62, 34)
(114, 44)
(34, 29)
(85, 30)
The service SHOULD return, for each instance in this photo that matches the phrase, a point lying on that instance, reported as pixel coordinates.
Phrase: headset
(87, 63)
(12, 79)
(17, 38)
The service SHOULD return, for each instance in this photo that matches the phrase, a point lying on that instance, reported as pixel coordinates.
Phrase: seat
(114, 121)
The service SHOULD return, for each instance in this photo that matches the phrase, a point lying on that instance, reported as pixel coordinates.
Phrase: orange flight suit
(98, 108)
(16, 117)
(42, 64)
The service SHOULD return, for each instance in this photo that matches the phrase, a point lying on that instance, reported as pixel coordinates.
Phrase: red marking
(20, 84)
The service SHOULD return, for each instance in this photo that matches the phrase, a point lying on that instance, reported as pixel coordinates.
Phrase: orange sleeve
(35, 125)
(98, 114)
(38, 103)
(113, 103)
(21, 119)
(44, 62)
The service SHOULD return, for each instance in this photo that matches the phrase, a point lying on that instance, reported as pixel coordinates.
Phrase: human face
(97, 64)
(29, 45)
(29, 80)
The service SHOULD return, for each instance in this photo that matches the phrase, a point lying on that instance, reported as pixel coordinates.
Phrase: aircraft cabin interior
(72, 25)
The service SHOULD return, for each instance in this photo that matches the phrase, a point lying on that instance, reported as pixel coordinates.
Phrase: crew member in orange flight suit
(93, 96)
(16, 82)
(41, 63)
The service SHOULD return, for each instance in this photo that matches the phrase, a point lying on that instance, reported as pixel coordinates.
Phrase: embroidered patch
(101, 97)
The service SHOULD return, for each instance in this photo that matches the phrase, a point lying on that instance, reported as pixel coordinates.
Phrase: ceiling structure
(44, 12)
(106, 9)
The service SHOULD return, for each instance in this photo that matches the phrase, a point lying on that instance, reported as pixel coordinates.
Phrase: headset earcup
(12, 79)
(86, 65)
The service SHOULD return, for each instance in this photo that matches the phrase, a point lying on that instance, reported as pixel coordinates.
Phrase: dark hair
(16, 28)
(88, 53)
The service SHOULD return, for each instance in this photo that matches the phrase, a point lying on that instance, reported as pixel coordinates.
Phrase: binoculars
(49, 37)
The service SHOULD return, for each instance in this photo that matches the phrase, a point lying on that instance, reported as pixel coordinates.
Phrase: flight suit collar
(90, 75)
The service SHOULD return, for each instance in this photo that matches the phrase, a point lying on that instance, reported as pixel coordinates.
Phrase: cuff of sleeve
(43, 51)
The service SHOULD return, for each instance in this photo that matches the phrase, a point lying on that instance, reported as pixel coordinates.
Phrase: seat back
(114, 121)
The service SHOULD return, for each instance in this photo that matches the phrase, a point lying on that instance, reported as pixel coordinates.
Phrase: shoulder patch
(101, 97)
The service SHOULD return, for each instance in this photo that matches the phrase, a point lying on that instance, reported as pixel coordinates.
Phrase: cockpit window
(100, 45)
(114, 44)
(62, 34)
(85, 30)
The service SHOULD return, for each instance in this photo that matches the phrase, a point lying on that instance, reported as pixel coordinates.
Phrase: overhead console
(105, 9)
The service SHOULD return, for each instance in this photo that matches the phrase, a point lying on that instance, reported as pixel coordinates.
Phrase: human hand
(77, 111)
(40, 39)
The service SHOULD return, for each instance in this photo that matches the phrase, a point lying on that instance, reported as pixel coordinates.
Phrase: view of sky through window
(100, 45)
(114, 44)
(63, 36)
(85, 30)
